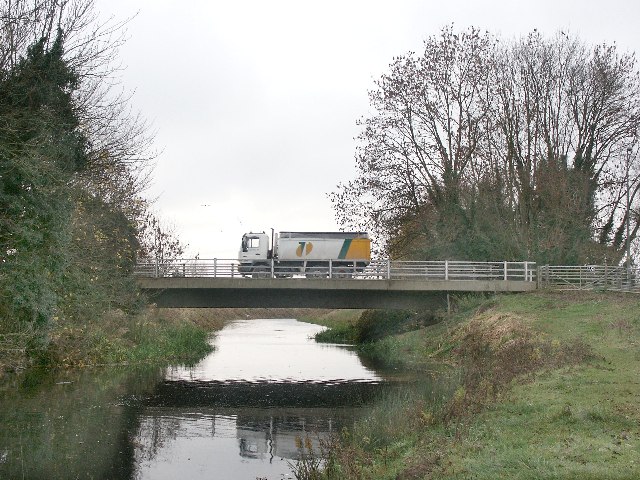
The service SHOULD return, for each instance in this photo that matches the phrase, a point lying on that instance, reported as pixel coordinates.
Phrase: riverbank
(155, 335)
(543, 385)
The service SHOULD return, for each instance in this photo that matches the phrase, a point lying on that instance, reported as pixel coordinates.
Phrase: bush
(376, 324)
(346, 333)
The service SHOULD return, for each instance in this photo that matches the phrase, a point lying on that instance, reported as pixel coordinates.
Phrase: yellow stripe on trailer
(360, 249)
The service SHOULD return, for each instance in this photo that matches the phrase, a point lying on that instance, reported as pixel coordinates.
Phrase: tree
(118, 140)
(158, 241)
(573, 110)
(484, 149)
(73, 165)
(41, 149)
(422, 149)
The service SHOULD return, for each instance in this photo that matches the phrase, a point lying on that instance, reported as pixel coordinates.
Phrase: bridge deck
(427, 290)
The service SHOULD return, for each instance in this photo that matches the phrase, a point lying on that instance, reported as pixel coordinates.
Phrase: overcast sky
(255, 103)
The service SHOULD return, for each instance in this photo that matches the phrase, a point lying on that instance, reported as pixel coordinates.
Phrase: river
(238, 414)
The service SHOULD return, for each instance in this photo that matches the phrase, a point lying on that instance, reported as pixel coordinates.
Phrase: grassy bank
(153, 336)
(542, 385)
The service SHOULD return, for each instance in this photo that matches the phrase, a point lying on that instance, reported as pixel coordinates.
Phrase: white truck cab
(255, 246)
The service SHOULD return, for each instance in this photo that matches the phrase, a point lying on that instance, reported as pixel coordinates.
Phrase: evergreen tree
(41, 146)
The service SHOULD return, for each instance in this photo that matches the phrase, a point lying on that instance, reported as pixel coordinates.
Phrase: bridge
(217, 283)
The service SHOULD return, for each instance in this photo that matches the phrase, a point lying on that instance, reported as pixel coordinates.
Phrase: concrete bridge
(217, 283)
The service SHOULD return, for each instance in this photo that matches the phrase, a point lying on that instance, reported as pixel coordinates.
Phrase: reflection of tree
(149, 438)
(155, 431)
(71, 425)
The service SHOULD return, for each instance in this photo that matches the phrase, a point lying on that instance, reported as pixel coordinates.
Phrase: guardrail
(589, 277)
(359, 269)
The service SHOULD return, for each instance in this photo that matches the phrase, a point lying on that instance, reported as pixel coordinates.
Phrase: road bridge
(217, 283)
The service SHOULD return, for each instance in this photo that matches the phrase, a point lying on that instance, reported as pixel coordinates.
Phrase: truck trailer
(313, 254)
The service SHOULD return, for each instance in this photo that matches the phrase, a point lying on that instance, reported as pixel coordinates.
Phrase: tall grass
(116, 338)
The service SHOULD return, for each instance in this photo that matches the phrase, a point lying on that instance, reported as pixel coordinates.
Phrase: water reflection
(238, 413)
(236, 444)
(235, 415)
(71, 424)
(275, 350)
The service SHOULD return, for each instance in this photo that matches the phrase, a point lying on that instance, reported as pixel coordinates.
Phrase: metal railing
(589, 277)
(357, 269)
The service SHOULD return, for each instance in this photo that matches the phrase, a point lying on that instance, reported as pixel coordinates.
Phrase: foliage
(374, 332)
(41, 149)
(376, 324)
(346, 333)
(308, 465)
(480, 149)
(73, 163)
(373, 325)
(102, 254)
(152, 336)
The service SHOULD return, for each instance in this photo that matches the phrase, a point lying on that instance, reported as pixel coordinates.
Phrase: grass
(155, 336)
(580, 421)
(340, 324)
(114, 338)
(541, 385)
(330, 318)
(383, 337)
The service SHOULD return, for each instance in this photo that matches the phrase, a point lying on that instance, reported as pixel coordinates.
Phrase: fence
(359, 269)
(589, 277)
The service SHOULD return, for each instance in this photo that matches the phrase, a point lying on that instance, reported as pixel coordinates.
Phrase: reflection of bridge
(260, 434)
(285, 394)
(382, 284)
(266, 417)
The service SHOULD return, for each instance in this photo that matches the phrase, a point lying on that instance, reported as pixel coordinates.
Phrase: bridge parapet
(448, 270)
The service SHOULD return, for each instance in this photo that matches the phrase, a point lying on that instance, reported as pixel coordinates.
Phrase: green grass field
(544, 385)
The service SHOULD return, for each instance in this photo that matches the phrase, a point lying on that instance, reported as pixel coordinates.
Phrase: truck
(313, 254)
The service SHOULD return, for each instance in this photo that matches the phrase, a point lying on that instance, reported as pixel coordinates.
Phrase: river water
(238, 414)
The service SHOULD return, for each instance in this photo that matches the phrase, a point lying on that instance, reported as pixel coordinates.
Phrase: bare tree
(422, 147)
(539, 128)
(568, 108)
(119, 140)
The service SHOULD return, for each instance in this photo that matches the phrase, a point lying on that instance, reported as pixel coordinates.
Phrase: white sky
(255, 103)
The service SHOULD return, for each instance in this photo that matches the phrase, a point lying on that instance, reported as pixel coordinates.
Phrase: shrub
(376, 324)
